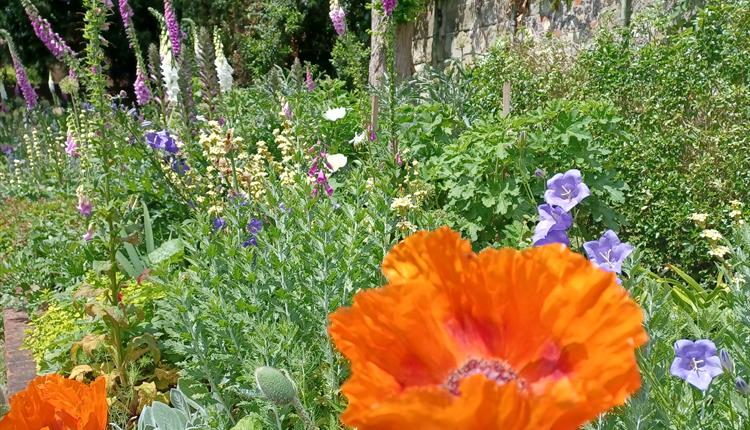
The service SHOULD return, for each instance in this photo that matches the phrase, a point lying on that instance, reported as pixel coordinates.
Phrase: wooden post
(506, 98)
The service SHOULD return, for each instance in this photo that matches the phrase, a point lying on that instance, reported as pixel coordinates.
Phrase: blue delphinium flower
(566, 190)
(608, 252)
(696, 362)
(551, 219)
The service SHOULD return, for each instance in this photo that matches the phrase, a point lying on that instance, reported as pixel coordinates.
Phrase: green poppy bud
(275, 386)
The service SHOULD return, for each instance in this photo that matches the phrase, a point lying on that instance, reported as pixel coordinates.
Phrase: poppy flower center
(497, 371)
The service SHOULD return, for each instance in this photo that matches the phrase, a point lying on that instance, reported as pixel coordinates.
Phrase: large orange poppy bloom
(503, 339)
(53, 402)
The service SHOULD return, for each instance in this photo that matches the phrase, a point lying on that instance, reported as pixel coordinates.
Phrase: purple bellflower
(696, 362)
(608, 253)
(554, 236)
(219, 224)
(163, 141)
(552, 219)
(566, 190)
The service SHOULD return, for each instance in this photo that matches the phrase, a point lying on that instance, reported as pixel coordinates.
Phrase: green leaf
(168, 252)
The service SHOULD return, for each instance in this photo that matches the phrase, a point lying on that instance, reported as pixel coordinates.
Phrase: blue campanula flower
(696, 362)
(554, 236)
(566, 190)
(551, 219)
(163, 141)
(608, 252)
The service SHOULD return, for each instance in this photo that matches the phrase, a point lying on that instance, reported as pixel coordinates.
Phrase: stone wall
(466, 28)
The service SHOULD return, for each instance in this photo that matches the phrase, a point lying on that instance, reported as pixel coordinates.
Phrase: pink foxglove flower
(84, 206)
(173, 28)
(44, 32)
(71, 147)
(142, 92)
(337, 15)
(389, 6)
(22, 79)
(309, 83)
(89, 233)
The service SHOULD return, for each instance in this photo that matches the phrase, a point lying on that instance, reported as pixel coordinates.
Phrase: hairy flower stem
(309, 425)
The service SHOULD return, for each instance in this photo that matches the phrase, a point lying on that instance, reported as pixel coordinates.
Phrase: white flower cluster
(169, 71)
(223, 69)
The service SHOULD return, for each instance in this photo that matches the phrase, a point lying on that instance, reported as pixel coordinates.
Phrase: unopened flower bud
(726, 361)
(741, 386)
(275, 386)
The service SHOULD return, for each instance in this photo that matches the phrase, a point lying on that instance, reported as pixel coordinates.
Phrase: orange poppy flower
(503, 339)
(53, 402)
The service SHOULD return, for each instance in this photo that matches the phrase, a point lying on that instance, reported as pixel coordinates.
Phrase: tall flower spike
(337, 16)
(169, 72)
(29, 95)
(309, 83)
(504, 339)
(126, 13)
(173, 28)
(223, 69)
(142, 91)
(389, 6)
(44, 32)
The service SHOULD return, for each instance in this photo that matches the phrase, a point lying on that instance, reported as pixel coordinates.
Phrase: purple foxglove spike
(142, 92)
(338, 16)
(389, 6)
(126, 12)
(173, 27)
(309, 83)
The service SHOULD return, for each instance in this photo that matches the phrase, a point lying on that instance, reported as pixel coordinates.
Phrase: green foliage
(681, 94)
(52, 333)
(350, 58)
